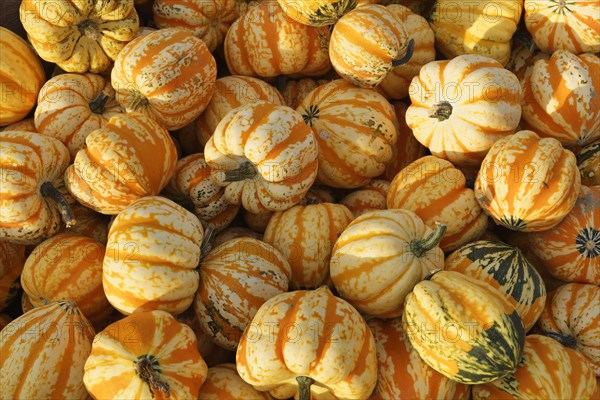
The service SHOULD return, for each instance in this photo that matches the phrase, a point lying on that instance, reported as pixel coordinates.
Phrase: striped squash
(27, 125)
(12, 260)
(22, 77)
(547, 370)
(314, 336)
(588, 161)
(460, 107)
(571, 250)
(192, 188)
(564, 25)
(81, 37)
(294, 91)
(463, 328)
(381, 256)
(265, 42)
(402, 374)
(356, 129)
(147, 78)
(224, 383)
(32, 167)
(572, 315)
(131, 157)
(70, 106)
(504, 268)
(434, 190)
(67, 266)
(560, 99)
(268, 165)
(524, 54)
(236, 278)
(367, 43)
(89, 223)
(208, 20)
(317, 12)
(33, 349)
(152, 251)
(145, 355)
(306, 235)
(371, 197)
(526, 183)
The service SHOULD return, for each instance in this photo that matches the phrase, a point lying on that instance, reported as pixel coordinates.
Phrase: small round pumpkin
(223, 382)
(370, 197)
(317, 12)
(588, 161)
(12, 260)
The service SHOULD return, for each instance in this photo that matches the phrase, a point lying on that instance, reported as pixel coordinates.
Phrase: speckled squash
(559, 98)
(504, 268)
(145, 355)
(32, 347)
(153, 249)
(526, 183)
(131, 157)
(572, 316)
(168, 74)
(265, 42)
(523, 55)
(317, 12)
(306, 235)
(460, 107)
(89, 223)
(463, 328)
(402, 374)
(22, 77)
(266, 165)
(380, 257)
(333, 347)
(295, 91)
(547, 370)
(12, 259)
(434, 190)
(223, 382)
(356, 129)
(237, 278)
(79, 37)
(588, 161)
(70, 106)
(370, 197)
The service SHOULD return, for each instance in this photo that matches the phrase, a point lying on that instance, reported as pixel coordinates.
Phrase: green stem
(97, 105)
(304, 383)
(422, 246)
(138, 101)
(47, 190)
(442, 111)
(407, 56)
(146, 369)
(245, 171)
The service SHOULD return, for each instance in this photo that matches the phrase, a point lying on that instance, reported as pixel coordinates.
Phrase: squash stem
(420, 247)
(442, 111)
(138, 101)
(97, 105)
(567, 341)
(304, 383)
(407, 56)
(245, 171)
(47, 190)
(145, 367)
(207, 242)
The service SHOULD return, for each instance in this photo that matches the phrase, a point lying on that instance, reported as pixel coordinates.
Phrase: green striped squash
(506, 269)
(463, 328)
(588, 162)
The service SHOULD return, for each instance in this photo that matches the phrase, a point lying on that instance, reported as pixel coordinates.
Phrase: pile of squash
(326, 199)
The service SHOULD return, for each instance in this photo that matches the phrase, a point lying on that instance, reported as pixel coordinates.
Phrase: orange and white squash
(317, 12)
(131, 157)
(145, 355)
(314, 336)
(33, 347)
(27, 125)
(460, 107)
(526, 183)
(234, 232)
(588, 161)
(370, 197)
(524, 54)
(153, 248)
(356, 129)
(381, 256)
(12, 260)
(223, 382)
(266, 165)
(168, 74)
(294, 91)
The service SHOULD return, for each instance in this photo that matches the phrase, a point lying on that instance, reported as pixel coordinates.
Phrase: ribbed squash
(294, 91)
(317, 12)
(370, 197)
(22, 77)
(460, 107)
(564, 25)
(313, 337)
(436, 191)
(33, 349)
(265, 42)
(463, 328)
(483, 27)
(381, 256)
(588, 161)
(153, 249)
(559, 98)
(131, 157)
(89, 223)
(572, 316)
(528, 184)
(504, 268)
(547, 370)
(306, 235)
(402, 374)
(237, 278)
(356, 129)
(27, 125)
(12, 259)
(223, 382)
(82, 36)
(524, 54)
(268, 165)
(168, 74)
(571, 250)
(70, 106)
(145, 355)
